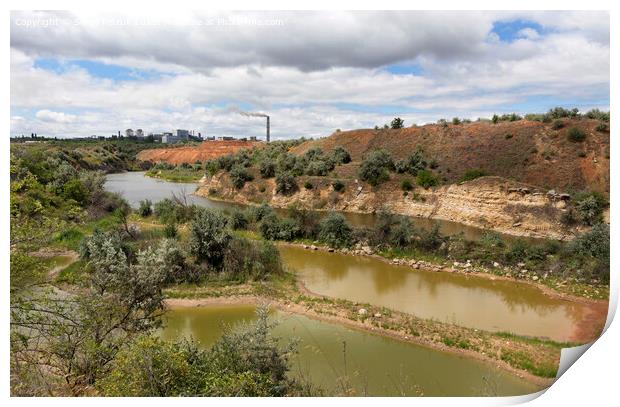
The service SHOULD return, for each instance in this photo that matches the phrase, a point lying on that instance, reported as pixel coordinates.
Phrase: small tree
(495, 119)
(334, 230)
(209, 237)
(375, 167)
(397, 123)
(145, 209)
(267, 169)
(285, 183)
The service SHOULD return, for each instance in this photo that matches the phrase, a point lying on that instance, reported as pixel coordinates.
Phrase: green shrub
(209, 237)
(375, 167)
(426, 179)
(590, 207)
(170, 230)
(340, 155)
(308, 185)
(601, 127)
(338, 186)
(412, 164)
(456, 121)
(145, 209)
(397, 123)
(557, 124)
(267, 169)
(239, 175)
(238, 220)
(247, 259)
(575, 135)
(473, 174)
(285, 183)
(334, 230)
(406, 185)
(274, 228)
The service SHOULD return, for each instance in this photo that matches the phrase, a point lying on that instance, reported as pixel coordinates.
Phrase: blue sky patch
(508, 31)
(98, 69)
(404, 69)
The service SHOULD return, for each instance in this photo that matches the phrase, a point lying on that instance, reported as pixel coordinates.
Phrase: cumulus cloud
(312, 71)
(54, 117)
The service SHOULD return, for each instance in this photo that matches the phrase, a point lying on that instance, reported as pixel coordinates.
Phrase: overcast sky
(75, 74)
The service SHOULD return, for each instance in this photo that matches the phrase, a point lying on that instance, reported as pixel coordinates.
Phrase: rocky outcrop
(490, 203)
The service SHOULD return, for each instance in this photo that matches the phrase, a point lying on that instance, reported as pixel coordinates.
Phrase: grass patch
(522, 360)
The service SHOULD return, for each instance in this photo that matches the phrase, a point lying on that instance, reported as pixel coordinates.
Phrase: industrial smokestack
(252, 114)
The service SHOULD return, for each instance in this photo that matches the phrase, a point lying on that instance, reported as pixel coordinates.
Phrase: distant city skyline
(79, 74)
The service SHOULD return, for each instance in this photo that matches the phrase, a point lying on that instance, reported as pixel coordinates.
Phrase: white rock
(377, 315)
(362, 311)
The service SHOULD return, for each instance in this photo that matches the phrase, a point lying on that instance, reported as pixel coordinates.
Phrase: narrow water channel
(475, 302)
(136, 186)
(374, 365)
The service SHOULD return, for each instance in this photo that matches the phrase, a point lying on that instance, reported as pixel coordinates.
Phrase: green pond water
(375, 365)
(495, 305)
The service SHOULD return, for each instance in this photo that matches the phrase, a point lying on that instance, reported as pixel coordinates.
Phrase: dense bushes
(245, 260)
(209, 237)
(426, 179)
(285, 183)
(248, 362)
(239, 175)
(146, 208)
(274, 228)
(376, 166)
(590, 207)
(334, 230)
(412, 164)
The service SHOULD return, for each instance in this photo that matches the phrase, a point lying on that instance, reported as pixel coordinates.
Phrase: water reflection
(497, 305)
(375, 365)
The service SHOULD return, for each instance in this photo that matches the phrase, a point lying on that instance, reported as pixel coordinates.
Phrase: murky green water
(496, 305)
(374, 365)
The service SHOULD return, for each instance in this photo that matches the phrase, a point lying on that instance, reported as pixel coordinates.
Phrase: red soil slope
(525, 151)
(205, 151)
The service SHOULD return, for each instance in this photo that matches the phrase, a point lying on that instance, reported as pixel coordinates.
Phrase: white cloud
(55, 117)
(318, 72)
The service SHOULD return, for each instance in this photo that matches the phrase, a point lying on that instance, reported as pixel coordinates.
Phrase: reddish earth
(525, 151)
(202, 152)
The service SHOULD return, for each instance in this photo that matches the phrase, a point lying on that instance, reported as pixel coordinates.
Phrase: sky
(80, 74)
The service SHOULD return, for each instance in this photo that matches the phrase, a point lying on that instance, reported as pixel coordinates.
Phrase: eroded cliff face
(490, 203)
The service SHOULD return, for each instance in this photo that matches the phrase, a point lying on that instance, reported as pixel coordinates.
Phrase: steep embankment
(525, 151)
(202, 152)
(525, 160)
(488, 202)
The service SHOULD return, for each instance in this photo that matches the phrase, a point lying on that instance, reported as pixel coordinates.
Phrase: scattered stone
(565, 197)
(516, 225)
(495, 264)
(331, 250)
(520, 264)
(362, 311)
(535, 278)
(306, 246)
(377, 315)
